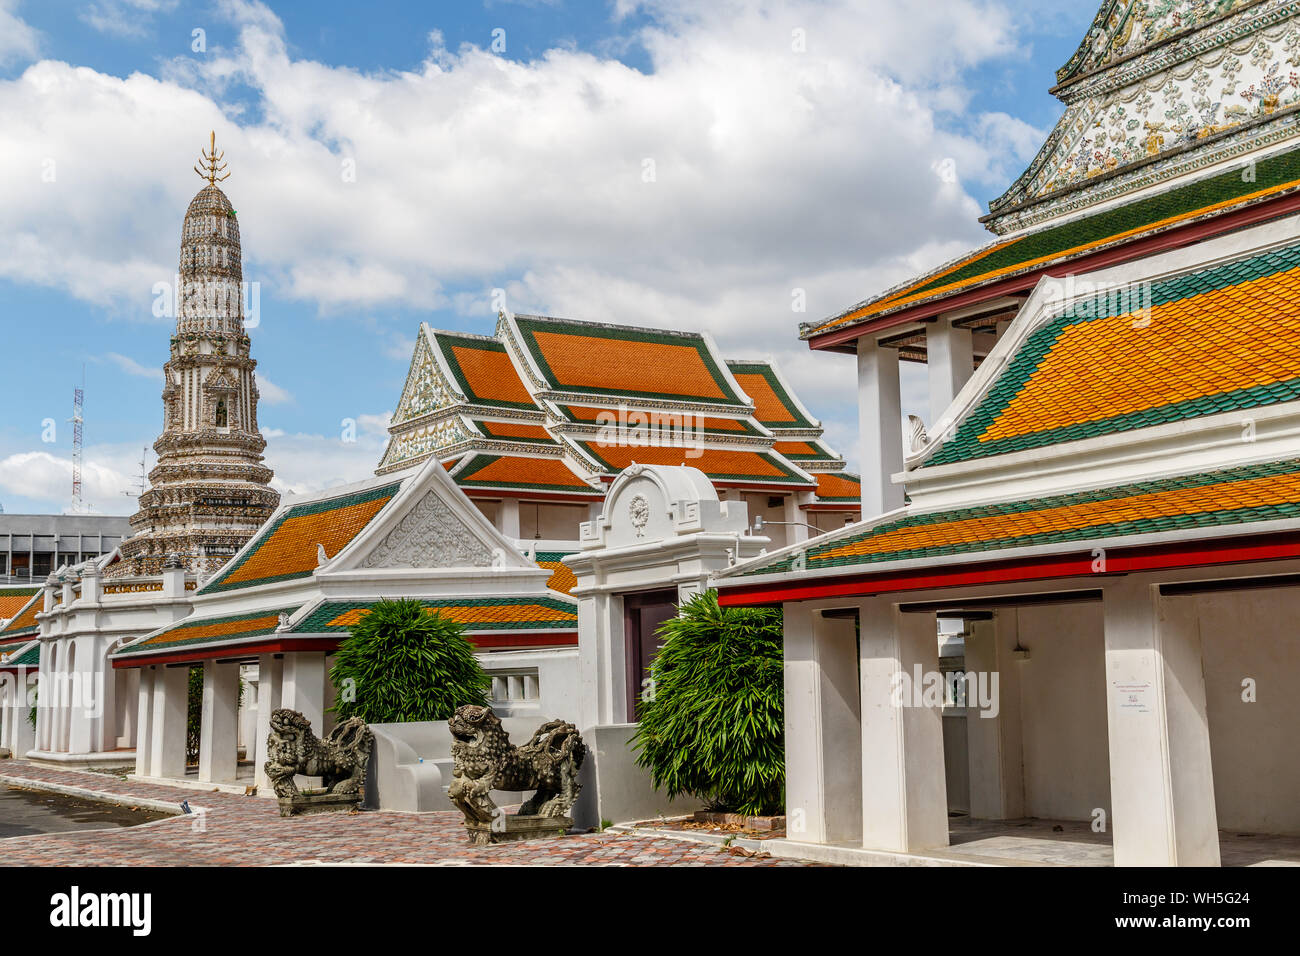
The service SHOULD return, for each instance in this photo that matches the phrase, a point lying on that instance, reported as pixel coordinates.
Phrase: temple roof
(480, 616)
(287, 548)
(720, 464)
(1212, 341)
(775, 404)
(1225, 502)
(13, 600)
(521, 473)
(24, 623)
(1060, 243)
(203, 631)
(26, 655)
(1126, 28)
(600, 396)
(615, 361)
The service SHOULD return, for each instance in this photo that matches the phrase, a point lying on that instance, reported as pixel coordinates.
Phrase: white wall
(1063, 703)
(1254, 747)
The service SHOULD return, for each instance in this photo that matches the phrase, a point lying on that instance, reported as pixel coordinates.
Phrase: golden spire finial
(212, 163)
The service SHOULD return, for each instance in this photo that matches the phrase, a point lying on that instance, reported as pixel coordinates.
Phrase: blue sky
(478, 169)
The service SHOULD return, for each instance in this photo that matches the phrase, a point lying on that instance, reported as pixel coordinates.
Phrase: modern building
(1110, 500)
(33, 546)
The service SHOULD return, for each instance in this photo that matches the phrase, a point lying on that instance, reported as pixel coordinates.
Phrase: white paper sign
(1133, 698)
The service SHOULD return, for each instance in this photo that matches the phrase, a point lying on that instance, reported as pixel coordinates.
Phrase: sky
(691, 165)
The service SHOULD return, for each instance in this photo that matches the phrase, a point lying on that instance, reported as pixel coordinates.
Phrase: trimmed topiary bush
(402, 664)
(713, 723)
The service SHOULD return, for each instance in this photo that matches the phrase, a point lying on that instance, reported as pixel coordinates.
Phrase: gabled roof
(1062, 242)
(287, 548)
(526, 432)
(1212, 341)
(597, 415)
(26, 655)
(24, 623)
(775, 404)
(808, 453)
(481, 370)
(13, 600)
(521, 473)
(479, 615)
(1223, 501)
(562, 577)
(720, 464)
(225, 629)
(589, 358)
(1125, 28)
(838, 487)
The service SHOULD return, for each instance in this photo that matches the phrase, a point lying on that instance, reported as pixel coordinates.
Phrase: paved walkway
(248, 831)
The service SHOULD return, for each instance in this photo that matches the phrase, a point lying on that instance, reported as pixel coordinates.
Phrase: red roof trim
(1166, 557)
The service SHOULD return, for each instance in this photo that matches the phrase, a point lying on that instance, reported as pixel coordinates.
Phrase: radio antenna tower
(78, 442)
(141, 483)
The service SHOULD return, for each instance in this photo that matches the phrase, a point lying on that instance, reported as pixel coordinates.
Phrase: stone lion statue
(340, 759)
(485, 760)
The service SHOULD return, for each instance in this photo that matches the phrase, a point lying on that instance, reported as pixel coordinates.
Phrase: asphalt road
(24, 812)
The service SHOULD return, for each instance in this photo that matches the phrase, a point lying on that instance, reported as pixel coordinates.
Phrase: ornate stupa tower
(210, 490)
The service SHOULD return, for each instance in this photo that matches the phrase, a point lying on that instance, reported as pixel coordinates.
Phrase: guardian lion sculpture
(340, 759)
(485, 760)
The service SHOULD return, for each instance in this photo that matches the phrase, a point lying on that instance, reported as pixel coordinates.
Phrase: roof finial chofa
(212, 163)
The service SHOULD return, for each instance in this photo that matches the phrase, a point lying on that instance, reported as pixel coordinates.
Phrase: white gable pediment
(430, 535)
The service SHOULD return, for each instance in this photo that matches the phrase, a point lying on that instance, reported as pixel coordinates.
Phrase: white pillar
(1161, 781)
(303, 688)
(880, 419)
(144, 724)
(950, 358)
(905, 794)
(44, 697)
(796, 521)
(171, 689)
(995, 748)
(510, 518)
(218, 728)
(822, 735)
(270, 669)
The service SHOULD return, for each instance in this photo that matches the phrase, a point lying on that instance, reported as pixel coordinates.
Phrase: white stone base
(842, 855)
(96, 761)
(193, 783)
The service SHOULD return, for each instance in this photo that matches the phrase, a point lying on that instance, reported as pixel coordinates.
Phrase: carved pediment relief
(430, 535)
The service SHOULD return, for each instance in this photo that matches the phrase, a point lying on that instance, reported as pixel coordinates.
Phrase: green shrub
(713, 724)
(403, 664)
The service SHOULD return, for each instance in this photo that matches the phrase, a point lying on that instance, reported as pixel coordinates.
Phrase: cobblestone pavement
(248, 831)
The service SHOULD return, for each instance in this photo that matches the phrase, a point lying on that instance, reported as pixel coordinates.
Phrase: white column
(995, 749)
(796, 527)
(248, 715)
(950, 358)
(171, 689)
(510, 518)
(270, 671)
(905, 794)
(24, 732)
(144, 724)
(44, 697)
(880, 422)
(822, 735)
(218, 727)
(303, 689)
(1161, 781)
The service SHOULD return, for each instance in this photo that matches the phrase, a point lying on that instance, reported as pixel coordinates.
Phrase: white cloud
(773, 169)
(18, 41)
(132, 367)
(271, 393)
(124, 18)
(107, 475)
